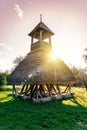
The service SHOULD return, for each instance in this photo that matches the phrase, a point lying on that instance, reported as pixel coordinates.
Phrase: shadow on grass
(74, 100)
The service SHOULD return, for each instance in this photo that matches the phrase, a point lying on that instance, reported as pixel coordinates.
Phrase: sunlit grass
(17, 114)
(69, 102)
(5, 94)
(80, 95)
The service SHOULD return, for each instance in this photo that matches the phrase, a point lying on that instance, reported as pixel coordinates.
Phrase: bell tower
(41, 37)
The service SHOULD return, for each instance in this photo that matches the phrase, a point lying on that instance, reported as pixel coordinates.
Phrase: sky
(66, 18)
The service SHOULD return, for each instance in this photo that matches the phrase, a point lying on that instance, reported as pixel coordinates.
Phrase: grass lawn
(68, 114)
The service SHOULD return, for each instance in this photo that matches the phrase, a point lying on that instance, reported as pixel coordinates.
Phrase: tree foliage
(17, 60)
(80, 75)
(85, 56)
(3, 80)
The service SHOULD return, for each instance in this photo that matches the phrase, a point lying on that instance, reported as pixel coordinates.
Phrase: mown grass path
(68, 114)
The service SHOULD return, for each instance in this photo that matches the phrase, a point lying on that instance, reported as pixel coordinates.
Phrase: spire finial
(40, 17)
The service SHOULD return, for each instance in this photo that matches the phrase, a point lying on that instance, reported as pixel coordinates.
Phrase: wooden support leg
(14, 90)
(42, 91)
(54, 89)
(49, 89)
(31, 90)
(39, 91)
(22, 89)
(65, 89)
(57, 86)
(36, 91)
(68, 89)
(26, 89)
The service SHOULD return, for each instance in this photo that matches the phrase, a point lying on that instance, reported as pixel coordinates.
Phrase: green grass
(68, 114)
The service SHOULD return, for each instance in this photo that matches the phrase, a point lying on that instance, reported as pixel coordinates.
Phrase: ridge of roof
(42, 26)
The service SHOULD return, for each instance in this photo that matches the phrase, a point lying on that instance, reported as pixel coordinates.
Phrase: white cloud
(5, 48)
(5, 51)
(18, 10)
(6, 56)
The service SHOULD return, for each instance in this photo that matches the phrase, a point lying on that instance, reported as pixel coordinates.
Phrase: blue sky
(66, 18)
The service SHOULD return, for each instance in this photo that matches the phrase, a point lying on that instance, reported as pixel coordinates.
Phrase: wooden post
(39, 92)
(36, 91)
(54, 89)
(14, 89)
(22, 89)
(68, 89)
(57, 86)
(32, 40)
(49, 89)
(26, 89)
(31, 91)
(41, 36)
(42, 91)
(50, 40)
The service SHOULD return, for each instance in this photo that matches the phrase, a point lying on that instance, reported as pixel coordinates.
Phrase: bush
(3, 80)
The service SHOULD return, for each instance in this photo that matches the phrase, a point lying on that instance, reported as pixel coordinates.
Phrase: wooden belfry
(41, 32)
(39, 75)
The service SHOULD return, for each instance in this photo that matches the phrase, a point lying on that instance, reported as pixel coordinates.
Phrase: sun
(57, 53)
(53, 56)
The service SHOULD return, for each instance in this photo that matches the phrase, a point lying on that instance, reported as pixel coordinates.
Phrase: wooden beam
(49, 89)
(31, 90)
(42, 90)
(53, 87)
(68, 88)
(22, 89)
(58, 88)
(26, 89)
(36, 91)
(14, 91)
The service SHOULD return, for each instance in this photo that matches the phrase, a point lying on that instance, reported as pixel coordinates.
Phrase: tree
(3, 79)
(17, 60)
(85, 56)
(81, 76)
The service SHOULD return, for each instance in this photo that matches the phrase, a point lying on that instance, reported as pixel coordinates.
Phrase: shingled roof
(44, 28)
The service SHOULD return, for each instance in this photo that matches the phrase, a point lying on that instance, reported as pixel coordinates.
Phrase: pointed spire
(40, 17)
